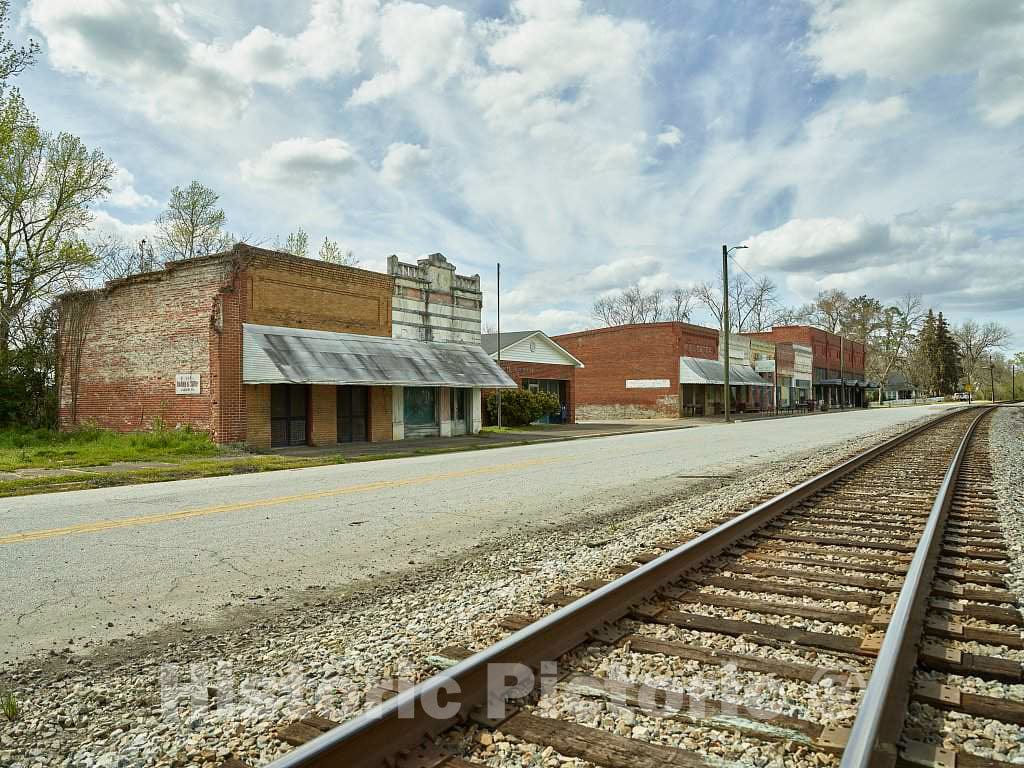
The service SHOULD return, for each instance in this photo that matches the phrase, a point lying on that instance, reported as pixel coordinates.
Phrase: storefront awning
(848, 382)
(276, 355)
(698, 370)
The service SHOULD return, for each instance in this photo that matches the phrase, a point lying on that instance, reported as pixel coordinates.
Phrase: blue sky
(871, 145)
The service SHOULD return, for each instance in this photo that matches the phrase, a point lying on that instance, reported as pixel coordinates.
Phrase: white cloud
(123, 193)
(936, 252)
(620, 273)
(421, 44)
(912, 40)
(402, 161)
(149, 56)
(104, 223)
(671, 136)
(300, 160)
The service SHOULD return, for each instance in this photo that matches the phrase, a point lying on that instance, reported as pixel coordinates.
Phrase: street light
(726, 250)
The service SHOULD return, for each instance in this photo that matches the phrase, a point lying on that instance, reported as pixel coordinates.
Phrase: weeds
(9, 704)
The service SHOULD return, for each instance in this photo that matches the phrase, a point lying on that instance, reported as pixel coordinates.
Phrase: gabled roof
(489, 341)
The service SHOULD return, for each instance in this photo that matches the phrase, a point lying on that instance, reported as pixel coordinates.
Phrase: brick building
(633, 371)
(257, 347)
(534, 361)
(837, 363)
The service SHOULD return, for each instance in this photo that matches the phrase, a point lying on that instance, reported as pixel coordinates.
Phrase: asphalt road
(98, 564)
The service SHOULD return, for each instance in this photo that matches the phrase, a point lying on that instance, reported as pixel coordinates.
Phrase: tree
(628, 306)
(977, 341)
(47, 184)
(680, 305)
(297, 243)
(753, 303)
(115, 258)
(333, 253)
(891, 343)
(192, 225)
(13, 60)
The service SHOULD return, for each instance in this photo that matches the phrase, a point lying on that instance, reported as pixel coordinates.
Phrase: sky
(875, 146)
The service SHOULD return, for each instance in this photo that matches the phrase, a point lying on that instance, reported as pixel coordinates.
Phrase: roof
(277, 355)
(489, 341)
(898, 380)
(697, 329)
(698, 370)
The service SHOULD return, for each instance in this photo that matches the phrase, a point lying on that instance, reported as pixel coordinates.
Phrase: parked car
(962, 396)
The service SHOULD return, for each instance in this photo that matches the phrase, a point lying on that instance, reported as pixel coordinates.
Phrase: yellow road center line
(163, 517)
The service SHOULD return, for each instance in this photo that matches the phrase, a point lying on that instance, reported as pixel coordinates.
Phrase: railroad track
(859, 619)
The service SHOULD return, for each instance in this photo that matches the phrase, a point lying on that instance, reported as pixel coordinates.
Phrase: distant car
(962, 396)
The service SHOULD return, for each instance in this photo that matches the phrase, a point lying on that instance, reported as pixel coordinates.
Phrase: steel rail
(873, 739)
(397, 727)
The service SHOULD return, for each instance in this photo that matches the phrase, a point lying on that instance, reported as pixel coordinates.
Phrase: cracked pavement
(121, 562)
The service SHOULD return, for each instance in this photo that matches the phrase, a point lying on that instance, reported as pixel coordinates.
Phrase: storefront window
(420, 406)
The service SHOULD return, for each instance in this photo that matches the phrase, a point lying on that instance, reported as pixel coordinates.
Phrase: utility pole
(1013, 382)
(725, 327)
(992, 377)
(499, 340)
(725, 323)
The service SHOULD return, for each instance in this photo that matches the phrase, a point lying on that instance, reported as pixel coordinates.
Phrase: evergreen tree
(928, 354)
(948, 357)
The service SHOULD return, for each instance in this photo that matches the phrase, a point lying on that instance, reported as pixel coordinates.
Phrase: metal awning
(276, 355)
(698, 370)
(847, 382)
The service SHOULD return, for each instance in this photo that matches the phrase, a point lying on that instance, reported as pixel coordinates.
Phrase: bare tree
(753, 304)
(116, 258)
(976, 341)
(192, 225)
(630, 305)
(679, 306)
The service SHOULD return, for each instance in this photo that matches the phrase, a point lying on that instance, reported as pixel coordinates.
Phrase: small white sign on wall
(186, 384)
(647, 384)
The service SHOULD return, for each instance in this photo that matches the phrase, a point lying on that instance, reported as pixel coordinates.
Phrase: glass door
(288, 404)
(353, 414)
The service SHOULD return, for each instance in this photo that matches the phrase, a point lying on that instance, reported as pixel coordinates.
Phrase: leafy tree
(192, 224)
(976, 341)
(47, 184)
(297, 243)
(333, 253)
(890, 345)
(13, 60)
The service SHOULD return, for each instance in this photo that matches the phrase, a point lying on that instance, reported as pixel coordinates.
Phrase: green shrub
(9, 704)
(520, 407)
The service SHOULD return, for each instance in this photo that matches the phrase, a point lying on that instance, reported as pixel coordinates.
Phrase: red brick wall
(188, 318)
(519, 371)
(824, 346)
(143, 331)
(649, 351)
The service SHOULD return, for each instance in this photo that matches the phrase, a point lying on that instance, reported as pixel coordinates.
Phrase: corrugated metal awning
(698, 370)
(276, 355)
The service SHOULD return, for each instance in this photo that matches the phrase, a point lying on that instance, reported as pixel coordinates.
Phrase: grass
(89, 446)
(9, 704)
(524, 428)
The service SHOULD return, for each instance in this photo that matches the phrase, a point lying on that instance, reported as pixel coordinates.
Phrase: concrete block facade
(632, 371)
(433, 303)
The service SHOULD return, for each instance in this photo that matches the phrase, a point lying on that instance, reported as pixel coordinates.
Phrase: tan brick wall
(324, 429)
(257, 398)
(380, 415)
(302, 293)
